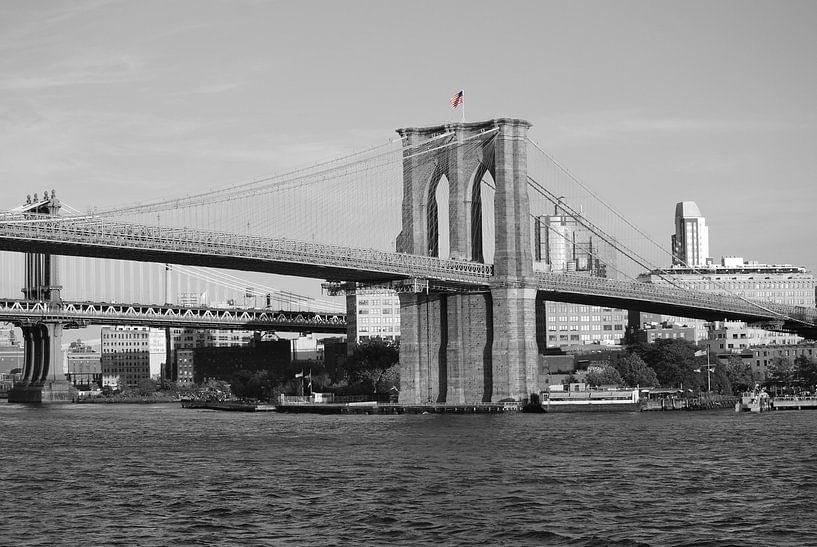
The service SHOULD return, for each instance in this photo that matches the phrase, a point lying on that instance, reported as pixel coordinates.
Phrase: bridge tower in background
(43, 379)
(467, 347)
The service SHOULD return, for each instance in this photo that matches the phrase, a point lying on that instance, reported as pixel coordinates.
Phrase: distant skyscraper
(690, 243)
(565, 245)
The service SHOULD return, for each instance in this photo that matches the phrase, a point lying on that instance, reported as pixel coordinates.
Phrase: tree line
(674, 363)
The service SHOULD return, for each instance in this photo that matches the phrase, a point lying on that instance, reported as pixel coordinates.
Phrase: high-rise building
(565, 245)
(690, 242)
(131, 354)
(373, 313)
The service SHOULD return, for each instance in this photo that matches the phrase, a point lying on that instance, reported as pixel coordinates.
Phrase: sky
(648, 102)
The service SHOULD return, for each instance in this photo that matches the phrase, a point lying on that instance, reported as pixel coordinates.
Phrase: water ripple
(159, 475)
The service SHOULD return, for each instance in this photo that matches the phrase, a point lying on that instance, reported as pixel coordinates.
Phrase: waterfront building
(373, 313)
(83, 365)
(184, 340)
(779, 283)
(690, 242)
(131, 354)
(221, 363)
(666, 331)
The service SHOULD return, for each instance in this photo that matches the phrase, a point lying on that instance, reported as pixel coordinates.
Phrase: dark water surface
(163, 475)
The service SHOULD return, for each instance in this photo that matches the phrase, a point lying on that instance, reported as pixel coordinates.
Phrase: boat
(591, 400)
(754, 401)
(233, 405)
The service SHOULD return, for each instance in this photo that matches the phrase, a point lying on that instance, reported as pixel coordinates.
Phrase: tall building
(131, 354)
(564, 245)
(690, 243)
(373, 313)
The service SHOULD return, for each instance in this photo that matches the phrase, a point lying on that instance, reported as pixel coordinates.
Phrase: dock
(374, 407)
(794, 403)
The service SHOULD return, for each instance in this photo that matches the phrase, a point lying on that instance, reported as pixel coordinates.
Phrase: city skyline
(662, 104)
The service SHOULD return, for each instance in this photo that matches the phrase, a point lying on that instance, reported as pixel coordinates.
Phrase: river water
(163, 475)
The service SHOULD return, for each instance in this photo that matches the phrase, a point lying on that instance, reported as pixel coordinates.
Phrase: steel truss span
(24, 312)
(89, 236)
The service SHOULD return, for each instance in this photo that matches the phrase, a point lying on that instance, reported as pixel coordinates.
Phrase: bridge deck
(89, 236)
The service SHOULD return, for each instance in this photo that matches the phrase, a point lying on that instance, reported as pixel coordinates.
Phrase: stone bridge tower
(478, 346)
(43, 379)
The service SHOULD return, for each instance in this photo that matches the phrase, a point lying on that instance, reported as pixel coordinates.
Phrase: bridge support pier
(43, 379)
(469, 347)
(423, 378)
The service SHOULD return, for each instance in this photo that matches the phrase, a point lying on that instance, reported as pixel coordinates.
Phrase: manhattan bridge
(449, 216)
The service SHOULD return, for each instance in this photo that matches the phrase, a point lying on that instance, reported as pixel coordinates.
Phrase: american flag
(456, 99)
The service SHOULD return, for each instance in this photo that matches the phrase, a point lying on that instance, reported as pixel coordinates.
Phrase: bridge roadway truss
(80, 314)
(96, 238)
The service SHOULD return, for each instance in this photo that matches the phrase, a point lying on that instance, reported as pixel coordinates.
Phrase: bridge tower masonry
(42, 380)
(468, 347)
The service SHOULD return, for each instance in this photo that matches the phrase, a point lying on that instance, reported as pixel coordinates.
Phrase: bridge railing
(99, 232)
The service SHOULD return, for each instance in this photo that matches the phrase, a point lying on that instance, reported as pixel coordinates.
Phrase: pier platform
(794, 403)
(397, 408)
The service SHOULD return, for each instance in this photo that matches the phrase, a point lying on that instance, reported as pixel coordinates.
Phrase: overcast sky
(649, 103)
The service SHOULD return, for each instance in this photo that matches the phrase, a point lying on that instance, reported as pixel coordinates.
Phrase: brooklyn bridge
(446, 215)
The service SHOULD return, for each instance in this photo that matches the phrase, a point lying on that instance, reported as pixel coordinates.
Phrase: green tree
(146, 387)
(739, 374)
(781, 372)
(603, 376)
(719, 378)
(806, 372)
(369, 362)
(674, 363)
(635, 372)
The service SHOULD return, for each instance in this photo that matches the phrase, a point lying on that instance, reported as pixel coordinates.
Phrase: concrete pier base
(59, 391)
(43, 378)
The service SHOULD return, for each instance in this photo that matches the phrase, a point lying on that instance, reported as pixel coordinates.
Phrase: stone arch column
(28, 353)
(39, 345)
(485, 343)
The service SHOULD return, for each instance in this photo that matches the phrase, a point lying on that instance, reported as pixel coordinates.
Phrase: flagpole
(463, 106)
(708, 382)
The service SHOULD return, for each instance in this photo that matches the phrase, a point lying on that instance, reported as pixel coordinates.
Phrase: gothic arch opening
(483, 225)
(437, 219)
